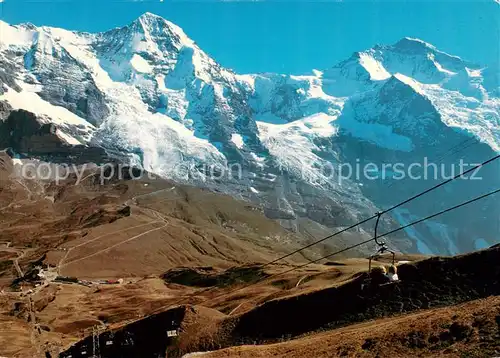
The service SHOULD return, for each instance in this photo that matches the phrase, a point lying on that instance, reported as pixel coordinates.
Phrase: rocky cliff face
(24, 133)
(146, 92)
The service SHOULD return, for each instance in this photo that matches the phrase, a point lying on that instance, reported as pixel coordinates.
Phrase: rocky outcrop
(5, 109)
(26, 134)
(82, 97)
(6, 78)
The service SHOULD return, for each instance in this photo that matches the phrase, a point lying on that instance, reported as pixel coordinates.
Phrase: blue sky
(287, 37)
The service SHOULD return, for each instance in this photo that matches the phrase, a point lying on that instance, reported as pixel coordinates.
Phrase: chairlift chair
(382, 249)
(382, 246)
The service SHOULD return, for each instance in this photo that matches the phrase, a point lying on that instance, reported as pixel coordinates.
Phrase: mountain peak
(156, 27)
(149, 19)
(150, 15)
(413, 44)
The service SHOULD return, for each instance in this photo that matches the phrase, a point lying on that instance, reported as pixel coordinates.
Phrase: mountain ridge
(151, 94)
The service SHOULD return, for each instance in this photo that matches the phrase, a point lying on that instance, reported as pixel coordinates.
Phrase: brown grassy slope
(181, 226)
(279, 310)
(425, 284)
(122, 229)
(471, 329)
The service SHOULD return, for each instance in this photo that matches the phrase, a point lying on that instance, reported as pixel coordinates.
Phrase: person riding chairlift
(392, 274)
(378, 276)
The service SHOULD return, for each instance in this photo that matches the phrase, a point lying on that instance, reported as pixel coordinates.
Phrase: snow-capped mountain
(147, 92)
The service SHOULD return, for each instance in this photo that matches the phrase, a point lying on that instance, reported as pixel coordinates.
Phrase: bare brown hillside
(281, 310)
(135, 258)
(112, 229)
(471, 329)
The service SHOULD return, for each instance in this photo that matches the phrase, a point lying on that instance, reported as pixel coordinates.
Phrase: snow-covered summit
(412, 46)
(148, 33)
(411, 57)
(153, 25)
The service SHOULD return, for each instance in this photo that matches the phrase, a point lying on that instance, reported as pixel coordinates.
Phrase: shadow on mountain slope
(429, 283)
(208, 277)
